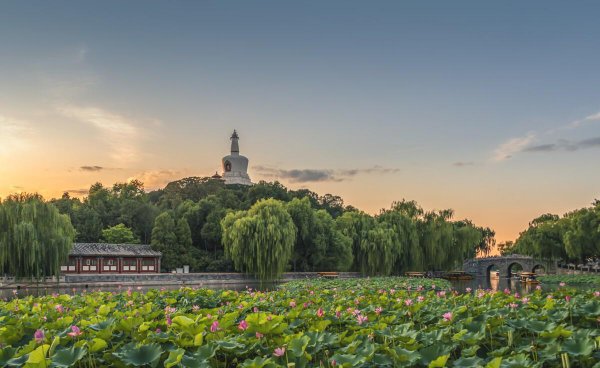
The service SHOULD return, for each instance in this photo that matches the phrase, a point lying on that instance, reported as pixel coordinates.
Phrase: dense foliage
(328, 235)
(571, 279)
(383, 322)
(260, 241)
(35, 239)
(573, 237)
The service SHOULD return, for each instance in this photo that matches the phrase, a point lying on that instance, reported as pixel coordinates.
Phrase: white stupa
(235, 166)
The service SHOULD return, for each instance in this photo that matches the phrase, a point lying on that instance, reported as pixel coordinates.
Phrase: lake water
(461, 286)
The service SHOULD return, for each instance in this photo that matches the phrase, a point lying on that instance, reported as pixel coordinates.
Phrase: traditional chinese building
(112, 258)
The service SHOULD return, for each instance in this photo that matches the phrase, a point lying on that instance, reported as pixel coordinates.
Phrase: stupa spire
(235, 148)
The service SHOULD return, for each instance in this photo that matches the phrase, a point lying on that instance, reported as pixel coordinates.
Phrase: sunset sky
(492, 110)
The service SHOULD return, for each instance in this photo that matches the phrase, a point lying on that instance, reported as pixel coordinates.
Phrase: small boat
(529, 278)
(457, 275)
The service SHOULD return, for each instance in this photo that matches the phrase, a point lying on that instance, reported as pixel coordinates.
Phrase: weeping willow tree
(402, 218)
(378, 251)
(35, 239)
(260, 241)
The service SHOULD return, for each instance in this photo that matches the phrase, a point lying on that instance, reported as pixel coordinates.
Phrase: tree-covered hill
(186, 220)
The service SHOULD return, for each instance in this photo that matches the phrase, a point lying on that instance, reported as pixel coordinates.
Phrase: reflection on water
(499, 284)
(63, 289)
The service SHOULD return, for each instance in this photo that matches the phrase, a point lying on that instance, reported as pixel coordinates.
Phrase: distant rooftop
(119, 250)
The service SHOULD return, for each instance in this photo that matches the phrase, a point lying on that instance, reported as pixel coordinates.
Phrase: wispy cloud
(587, 119)
(15, 136)
(565, 145)
(77, 192)
(91, 168)
(120, 133)
(463, 163)
(507, 149)
(318, 175)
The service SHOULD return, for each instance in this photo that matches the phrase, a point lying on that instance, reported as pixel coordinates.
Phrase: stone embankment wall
(186, 278)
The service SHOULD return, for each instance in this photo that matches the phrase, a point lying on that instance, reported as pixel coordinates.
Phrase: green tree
(35, 239)
(164, 239)
(119, 234)
(260, 241)
(378, 251)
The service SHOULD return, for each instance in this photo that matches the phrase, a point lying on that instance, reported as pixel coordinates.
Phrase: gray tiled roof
(104, 249)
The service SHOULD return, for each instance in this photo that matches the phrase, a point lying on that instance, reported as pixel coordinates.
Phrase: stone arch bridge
(482, 266)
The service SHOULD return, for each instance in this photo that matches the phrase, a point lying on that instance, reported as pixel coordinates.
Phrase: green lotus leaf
(182, 321)
(404, 356)
(230, 345)
(174, 358)
(471, 362)
(439, 362)
(433, 352)
(494, 363)
(298, 345)
(381, 360)
(517, 361)
(348, 360)
(97, 344)
(38, 356)
(579, 347)
(67, 357)
(259, 362)
(6, 354)
(320, 325)
(17, 362)
(103, 325)
(139, 355)
(470, 351)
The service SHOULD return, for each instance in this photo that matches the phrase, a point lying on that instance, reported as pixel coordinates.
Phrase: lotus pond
(385, 322)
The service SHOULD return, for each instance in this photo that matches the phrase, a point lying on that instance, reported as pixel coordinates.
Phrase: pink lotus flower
(567, 298)
(158, 330)
(481, 294)
(392, 291)
(378, 310)
(279, 352)
(361, 319)
(447, 316)
(59, 308)
(320, 312)
(195, 308)
(433, 287)
(525, 300)
(468, 290)
(562, 284)
(420, 298)
(408, 302)
(169, 320)
(168, 310)
(293, 304)
(338, 314)
(513, 305)
(506, 291)
(333, 363)
(214, 327)
(259, 335)
(255, 309)
(38, 336)
(75, 331)
(243, 325)
(596, 293)
(538, 287)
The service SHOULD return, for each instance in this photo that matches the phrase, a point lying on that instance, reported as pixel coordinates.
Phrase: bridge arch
(538, 268)
(482, 266)
(514, 267)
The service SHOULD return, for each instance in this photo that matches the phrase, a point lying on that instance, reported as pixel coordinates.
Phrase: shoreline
(87, 281)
